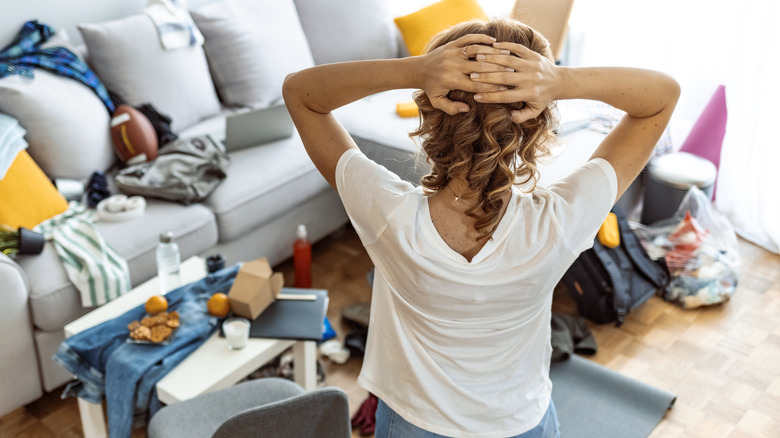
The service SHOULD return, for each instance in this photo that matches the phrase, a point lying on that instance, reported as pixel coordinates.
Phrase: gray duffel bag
(186, 170)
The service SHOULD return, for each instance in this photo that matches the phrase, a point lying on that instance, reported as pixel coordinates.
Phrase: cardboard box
(255, 288)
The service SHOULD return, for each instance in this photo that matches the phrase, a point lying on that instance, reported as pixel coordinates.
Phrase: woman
(459, 339)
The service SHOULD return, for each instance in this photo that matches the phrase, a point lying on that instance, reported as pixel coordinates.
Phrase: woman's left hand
(450, 66)
(535, 80)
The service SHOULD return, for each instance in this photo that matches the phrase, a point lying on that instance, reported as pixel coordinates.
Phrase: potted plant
(21, 241)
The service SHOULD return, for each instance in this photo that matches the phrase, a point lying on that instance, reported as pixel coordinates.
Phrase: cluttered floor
(722, 363)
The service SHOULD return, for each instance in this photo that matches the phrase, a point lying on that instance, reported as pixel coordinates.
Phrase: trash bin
(668, 179)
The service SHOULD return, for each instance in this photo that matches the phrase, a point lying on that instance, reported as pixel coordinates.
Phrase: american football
(132, 134)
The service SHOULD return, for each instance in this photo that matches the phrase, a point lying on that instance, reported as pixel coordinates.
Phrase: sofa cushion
(128, 56)
(263, 183)
(331, 32)
(251, 46)
(386, 142)
(66, 123)
(375, 118)
(55, 301)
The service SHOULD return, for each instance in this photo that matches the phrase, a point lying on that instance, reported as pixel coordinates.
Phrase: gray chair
(269, 407)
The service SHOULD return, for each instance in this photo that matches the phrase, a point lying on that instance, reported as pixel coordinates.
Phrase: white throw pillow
(66, 123)
(251, 46)
(348, 30)
(128, 57)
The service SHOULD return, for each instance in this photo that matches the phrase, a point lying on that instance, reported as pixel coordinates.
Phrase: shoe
(356, 343)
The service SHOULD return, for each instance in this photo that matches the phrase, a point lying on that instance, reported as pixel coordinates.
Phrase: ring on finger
(464, 52)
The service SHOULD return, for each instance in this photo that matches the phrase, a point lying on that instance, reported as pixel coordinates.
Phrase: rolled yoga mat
(594, 401)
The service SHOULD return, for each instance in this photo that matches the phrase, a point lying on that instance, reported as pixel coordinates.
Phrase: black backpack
(607, 283)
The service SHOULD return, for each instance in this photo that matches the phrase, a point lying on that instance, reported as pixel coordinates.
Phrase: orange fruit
(219, 305)
(156, 304)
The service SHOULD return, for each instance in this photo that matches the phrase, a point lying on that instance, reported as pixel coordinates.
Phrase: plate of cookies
(154, 329)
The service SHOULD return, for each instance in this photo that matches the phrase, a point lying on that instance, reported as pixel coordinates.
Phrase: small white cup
(236, 332)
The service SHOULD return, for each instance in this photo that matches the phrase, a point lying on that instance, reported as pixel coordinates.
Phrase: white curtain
(749, 182)
(704, 43)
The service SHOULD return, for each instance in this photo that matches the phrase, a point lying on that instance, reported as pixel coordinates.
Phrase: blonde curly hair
(483, 146)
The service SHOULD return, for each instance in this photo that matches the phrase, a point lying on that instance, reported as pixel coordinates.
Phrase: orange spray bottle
(302, 258)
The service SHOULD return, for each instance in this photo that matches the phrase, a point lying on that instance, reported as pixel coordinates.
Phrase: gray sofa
(270, 189)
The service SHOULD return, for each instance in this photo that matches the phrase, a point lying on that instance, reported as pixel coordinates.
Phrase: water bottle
(168, 262)
(302, 258)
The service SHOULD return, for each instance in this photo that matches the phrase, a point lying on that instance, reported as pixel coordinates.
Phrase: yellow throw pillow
(418, 27)
(27, 197)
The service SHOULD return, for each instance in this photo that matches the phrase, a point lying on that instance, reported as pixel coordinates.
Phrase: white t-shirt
(462, 348)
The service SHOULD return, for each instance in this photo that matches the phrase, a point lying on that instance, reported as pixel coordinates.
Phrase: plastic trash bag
(699, 247)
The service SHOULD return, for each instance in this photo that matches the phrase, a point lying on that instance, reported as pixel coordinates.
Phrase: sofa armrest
(10, 271)
(19, 375)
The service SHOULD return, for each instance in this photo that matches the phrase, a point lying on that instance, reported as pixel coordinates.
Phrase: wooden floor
(723, 363)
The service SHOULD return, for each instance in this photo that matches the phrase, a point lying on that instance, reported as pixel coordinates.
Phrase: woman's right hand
(535, 81)
(450, 66)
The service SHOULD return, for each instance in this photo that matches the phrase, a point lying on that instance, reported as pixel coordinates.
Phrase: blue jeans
(126, 373)
(391, 425)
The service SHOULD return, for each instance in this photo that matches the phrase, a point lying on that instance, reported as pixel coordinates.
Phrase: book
(299, 319)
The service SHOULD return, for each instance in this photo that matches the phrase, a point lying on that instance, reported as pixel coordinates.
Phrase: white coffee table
(212, 366)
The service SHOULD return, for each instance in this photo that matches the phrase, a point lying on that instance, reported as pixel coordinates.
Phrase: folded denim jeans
(126, 373)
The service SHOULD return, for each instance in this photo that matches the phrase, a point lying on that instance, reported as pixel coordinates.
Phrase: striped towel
(173, 23)
(96, 270)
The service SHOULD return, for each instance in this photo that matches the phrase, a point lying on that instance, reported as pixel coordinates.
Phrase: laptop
(256, 127)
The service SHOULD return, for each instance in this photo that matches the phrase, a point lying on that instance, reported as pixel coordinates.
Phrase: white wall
(66, 14)
(493, 8)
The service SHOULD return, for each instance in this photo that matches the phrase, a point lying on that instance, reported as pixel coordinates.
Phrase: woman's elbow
(672, 91)
(288, 87)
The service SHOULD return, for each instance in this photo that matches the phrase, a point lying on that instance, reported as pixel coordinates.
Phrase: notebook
(292, 319)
